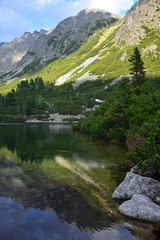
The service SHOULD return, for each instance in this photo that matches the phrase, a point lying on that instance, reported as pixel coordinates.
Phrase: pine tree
(137, 70)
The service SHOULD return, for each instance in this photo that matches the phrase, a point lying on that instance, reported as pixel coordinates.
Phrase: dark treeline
(26, 99)
(36, 99)
(29, 97)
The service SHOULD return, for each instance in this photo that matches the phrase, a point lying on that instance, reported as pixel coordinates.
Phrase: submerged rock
(136, 184)
(140, 207)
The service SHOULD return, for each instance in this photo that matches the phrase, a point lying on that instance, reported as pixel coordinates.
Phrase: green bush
(6, 118)
(131, 115)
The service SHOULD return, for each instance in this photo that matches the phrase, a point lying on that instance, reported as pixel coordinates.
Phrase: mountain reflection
(68, 203)
(34, 142)
(49, 167)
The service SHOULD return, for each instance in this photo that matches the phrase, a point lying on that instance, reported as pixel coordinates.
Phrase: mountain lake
(57, 184)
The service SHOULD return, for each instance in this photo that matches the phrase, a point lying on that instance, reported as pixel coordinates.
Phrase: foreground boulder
(136, 184)
(140, 207)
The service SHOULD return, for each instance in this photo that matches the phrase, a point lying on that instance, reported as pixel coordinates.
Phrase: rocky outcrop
(12, 53)
(142, 191)
(139, 20)
(136, 184)
(140, 207)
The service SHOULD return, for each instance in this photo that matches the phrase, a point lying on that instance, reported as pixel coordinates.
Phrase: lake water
(56, 184)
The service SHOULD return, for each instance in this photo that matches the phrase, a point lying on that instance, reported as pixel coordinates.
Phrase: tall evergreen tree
(137, 68)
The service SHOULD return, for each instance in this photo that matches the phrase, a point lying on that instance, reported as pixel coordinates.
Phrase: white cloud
(77, 3)
(115, 6)
(41, 3)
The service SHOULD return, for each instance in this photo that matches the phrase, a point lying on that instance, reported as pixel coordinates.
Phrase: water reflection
(34, 142)
(57, 184)
(32, 224)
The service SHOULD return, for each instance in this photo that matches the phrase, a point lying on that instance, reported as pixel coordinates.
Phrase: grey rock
(140, 207)
(136, 184)
(12, 53)
(143, 13)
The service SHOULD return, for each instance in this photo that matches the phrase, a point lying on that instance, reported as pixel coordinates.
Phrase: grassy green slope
(110, 64)
(61, 66)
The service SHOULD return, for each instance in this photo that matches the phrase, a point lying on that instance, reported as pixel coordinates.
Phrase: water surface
(56, 184)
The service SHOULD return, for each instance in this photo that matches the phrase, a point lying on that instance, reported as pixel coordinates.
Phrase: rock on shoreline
(136, 184)
(140, 207)
(142, 191)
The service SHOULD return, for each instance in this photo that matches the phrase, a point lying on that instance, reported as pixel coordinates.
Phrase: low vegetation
(130, 115)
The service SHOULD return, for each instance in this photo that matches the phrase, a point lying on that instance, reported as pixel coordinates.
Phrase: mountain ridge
(104, 56)
(68, 36)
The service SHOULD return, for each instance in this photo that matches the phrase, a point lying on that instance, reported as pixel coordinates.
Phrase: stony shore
(140, 196)
(56, 118)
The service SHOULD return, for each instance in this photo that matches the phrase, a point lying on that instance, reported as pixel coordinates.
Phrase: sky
(20, 16)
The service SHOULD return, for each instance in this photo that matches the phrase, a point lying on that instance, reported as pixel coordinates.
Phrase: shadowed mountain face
(12, 52)
(38, 47)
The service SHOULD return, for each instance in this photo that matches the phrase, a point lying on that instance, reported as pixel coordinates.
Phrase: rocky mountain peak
(26, 35)
(93, 10)
(13, 52)
(84, 11)
(41, 46)
(42, 31)
(94, 13)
